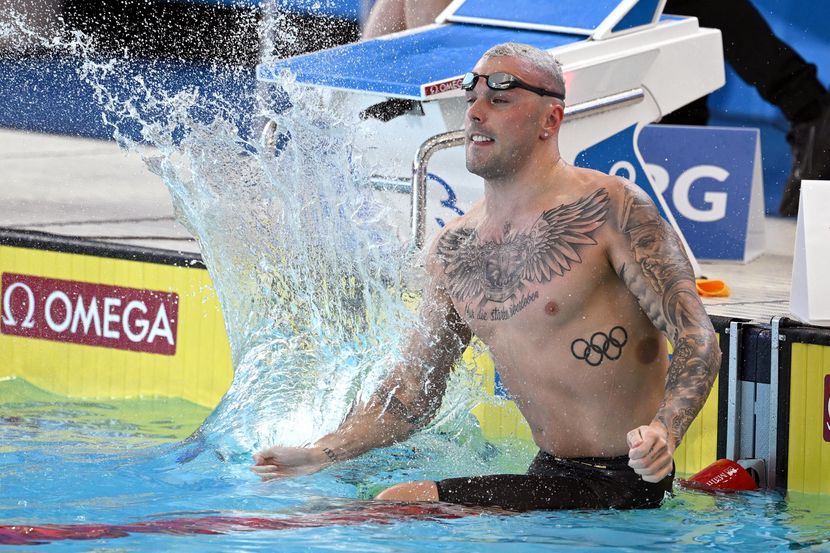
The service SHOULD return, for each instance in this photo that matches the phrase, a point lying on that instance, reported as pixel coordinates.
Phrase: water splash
(307, 272)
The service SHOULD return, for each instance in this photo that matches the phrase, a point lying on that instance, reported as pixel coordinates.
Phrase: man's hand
(650, 453)
(282, 462)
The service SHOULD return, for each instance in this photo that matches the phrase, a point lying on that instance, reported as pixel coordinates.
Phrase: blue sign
(617, 155)
(706, 175)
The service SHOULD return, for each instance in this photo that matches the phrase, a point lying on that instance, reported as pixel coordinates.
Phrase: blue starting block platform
(415, 66)
(424, 63)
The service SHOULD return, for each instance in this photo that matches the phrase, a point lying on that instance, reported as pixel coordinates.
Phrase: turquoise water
(119, 463)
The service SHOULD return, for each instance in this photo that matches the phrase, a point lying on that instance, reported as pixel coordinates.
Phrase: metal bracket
(758, 469)
(733, 404)
(775, 347)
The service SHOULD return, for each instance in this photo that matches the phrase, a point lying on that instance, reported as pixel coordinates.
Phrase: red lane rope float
(383, 513)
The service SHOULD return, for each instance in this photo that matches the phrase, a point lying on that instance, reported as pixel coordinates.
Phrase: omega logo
(8, 319)
(443, 87)
(91, 314)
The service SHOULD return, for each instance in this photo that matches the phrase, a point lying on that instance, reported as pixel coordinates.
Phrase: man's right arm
(406, 400)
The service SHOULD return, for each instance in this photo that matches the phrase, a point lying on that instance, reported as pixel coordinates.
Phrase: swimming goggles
(505, 81)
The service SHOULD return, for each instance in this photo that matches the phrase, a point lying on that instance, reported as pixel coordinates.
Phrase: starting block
(810, 290)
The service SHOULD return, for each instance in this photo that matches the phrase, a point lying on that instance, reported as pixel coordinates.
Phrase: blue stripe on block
(585, 14)
(398, 67)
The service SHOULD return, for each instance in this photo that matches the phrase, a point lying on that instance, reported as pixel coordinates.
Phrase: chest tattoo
(499, 271)
(600, 346)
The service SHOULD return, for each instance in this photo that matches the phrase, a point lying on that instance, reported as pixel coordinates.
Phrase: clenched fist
(282, 462)
(650, 452)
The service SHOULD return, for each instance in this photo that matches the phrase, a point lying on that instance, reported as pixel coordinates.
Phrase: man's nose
(475, 111)
(472, 113)
(476, 108)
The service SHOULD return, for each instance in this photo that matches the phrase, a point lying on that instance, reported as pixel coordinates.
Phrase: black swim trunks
(554, 483)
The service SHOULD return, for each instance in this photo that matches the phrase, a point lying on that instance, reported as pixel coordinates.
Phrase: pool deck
(85, 188)
(91, 189)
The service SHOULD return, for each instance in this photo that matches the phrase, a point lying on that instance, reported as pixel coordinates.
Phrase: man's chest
(506, 286)
(536, 270)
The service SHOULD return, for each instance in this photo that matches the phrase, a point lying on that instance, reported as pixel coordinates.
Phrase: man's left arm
(651, 260)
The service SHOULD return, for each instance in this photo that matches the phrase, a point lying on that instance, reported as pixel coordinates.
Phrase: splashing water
(309, 273)
(305, 271)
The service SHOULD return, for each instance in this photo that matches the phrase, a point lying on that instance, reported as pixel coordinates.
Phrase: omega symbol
(8, 317)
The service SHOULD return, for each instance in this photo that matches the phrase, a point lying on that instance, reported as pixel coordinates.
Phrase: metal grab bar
(605, 103)
(383, 183)
(456, 138)
(419, 180)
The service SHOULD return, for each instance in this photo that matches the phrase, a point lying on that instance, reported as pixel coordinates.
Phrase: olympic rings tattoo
(601, 346)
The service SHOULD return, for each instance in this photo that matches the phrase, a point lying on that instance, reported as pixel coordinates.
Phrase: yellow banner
(100, 327)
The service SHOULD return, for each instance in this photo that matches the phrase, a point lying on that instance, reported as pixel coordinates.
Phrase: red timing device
(723, 475)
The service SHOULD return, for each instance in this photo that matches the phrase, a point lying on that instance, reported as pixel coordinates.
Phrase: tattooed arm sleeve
(411, 393)
(652, 262)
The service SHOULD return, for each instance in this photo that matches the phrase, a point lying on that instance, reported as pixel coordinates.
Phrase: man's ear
(553, 119)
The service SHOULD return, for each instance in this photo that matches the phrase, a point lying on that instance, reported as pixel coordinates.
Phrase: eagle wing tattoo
(464, 263)
(548, 248)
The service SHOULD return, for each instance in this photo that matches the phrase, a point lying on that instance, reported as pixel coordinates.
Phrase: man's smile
(479, 139)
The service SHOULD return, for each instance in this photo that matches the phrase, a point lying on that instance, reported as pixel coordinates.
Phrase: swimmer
(574, 282)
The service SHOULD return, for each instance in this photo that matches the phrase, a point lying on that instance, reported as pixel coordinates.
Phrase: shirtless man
(573, 280)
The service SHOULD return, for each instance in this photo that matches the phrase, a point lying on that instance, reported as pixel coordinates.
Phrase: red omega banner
(826, 406)
(444, 86)
(91, 314)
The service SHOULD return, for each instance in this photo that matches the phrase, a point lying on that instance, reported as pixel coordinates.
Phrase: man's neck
(521, 192)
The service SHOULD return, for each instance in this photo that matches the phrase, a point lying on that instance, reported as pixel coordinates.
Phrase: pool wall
(804, 414)
(156, 330)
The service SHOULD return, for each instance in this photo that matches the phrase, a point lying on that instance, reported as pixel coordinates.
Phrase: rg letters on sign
(90, 314)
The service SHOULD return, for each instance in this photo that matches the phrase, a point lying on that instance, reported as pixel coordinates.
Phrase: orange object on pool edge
(713, 288)
(723, 475)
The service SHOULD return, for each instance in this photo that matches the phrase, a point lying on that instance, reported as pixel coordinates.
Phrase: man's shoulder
(619, 190)
(592, 179)
(615, 197)
(457, 227)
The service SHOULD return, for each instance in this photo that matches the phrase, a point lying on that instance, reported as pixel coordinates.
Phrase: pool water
(121, 464)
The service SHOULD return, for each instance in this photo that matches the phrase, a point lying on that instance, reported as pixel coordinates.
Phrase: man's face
(503, 126)
(647, 240)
